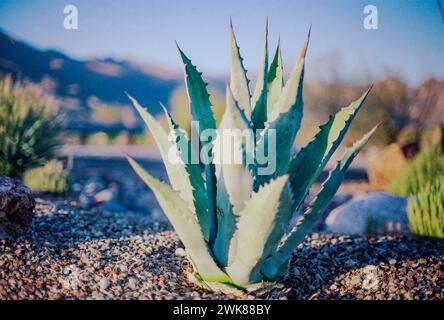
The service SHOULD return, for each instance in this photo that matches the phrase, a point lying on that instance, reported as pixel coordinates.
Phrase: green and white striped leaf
(224, 247)
(314, 211)
(259, 99)
(192, 167)
(262, 218)
(201, 111)
(285, 120)
(200, 105)
(235, 182)
(275, 81)
(291, 95)
(234, 136)
(186, 226)
(238, 76)
(306, 166)
(177, 173)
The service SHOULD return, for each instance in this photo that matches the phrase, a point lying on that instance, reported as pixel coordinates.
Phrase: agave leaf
(238, 79)
(224, 247)
(185, 224)
(285, 119)
(273, 264)
(199, 98)
(306, 166)
(259, 100)
(177, 173)
(196, 180)
(291, 95)
(234, 186)
(200, 107)
(275, 81)
(210, 182)
(261, 219)
(234, 118)
(236, 129)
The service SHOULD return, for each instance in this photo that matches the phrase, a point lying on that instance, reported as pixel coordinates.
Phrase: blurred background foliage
(51, 178)
(29, 127)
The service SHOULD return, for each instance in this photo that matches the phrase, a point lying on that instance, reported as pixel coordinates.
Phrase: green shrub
(426, 211)
(425, 168)
(29, 129)
(51, 178)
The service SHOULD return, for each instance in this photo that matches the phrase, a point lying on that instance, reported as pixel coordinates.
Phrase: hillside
(81, 82)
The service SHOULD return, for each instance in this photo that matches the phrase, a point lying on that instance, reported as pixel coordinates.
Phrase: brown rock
(16, 207)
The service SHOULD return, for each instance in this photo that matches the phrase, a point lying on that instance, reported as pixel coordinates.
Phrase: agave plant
(233, 221)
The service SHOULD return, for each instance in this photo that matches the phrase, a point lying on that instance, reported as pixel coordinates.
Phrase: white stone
(381, 212)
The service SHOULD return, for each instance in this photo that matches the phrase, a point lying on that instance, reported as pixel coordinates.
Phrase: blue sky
(409, 42)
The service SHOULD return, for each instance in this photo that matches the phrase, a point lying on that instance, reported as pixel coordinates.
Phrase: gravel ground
(75, 254)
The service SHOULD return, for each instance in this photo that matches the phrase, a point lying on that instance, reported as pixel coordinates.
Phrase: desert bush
(432, 137)
(51, 178)
(390, 100)
(29, 130)
(385, 166)
(424, 169)
(233, 220)
(405, 112)
(426, 210)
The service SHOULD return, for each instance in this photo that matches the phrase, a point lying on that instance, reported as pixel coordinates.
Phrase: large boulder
(377, 212)
(16, 207)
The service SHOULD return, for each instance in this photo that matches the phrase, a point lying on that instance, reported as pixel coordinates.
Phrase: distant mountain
(103, 80)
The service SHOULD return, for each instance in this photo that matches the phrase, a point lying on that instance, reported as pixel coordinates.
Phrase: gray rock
(109, 199)
(90, 190)
(16, 207)
(372, 213)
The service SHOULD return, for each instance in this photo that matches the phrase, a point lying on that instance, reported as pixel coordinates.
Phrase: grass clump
(426, 211)
(50, 178)
(29, 128)
(425, 169)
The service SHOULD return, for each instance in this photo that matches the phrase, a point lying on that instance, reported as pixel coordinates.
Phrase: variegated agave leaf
(177, 173)
(192, 167)
(309, 162)
(259, 99)
(201, 110)
(238, 79)
(186, 226)
(285, 120)
(234, 143)
(275, 81)
(224, 247)
(273, 264)
(235, 183)
(265, 215)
